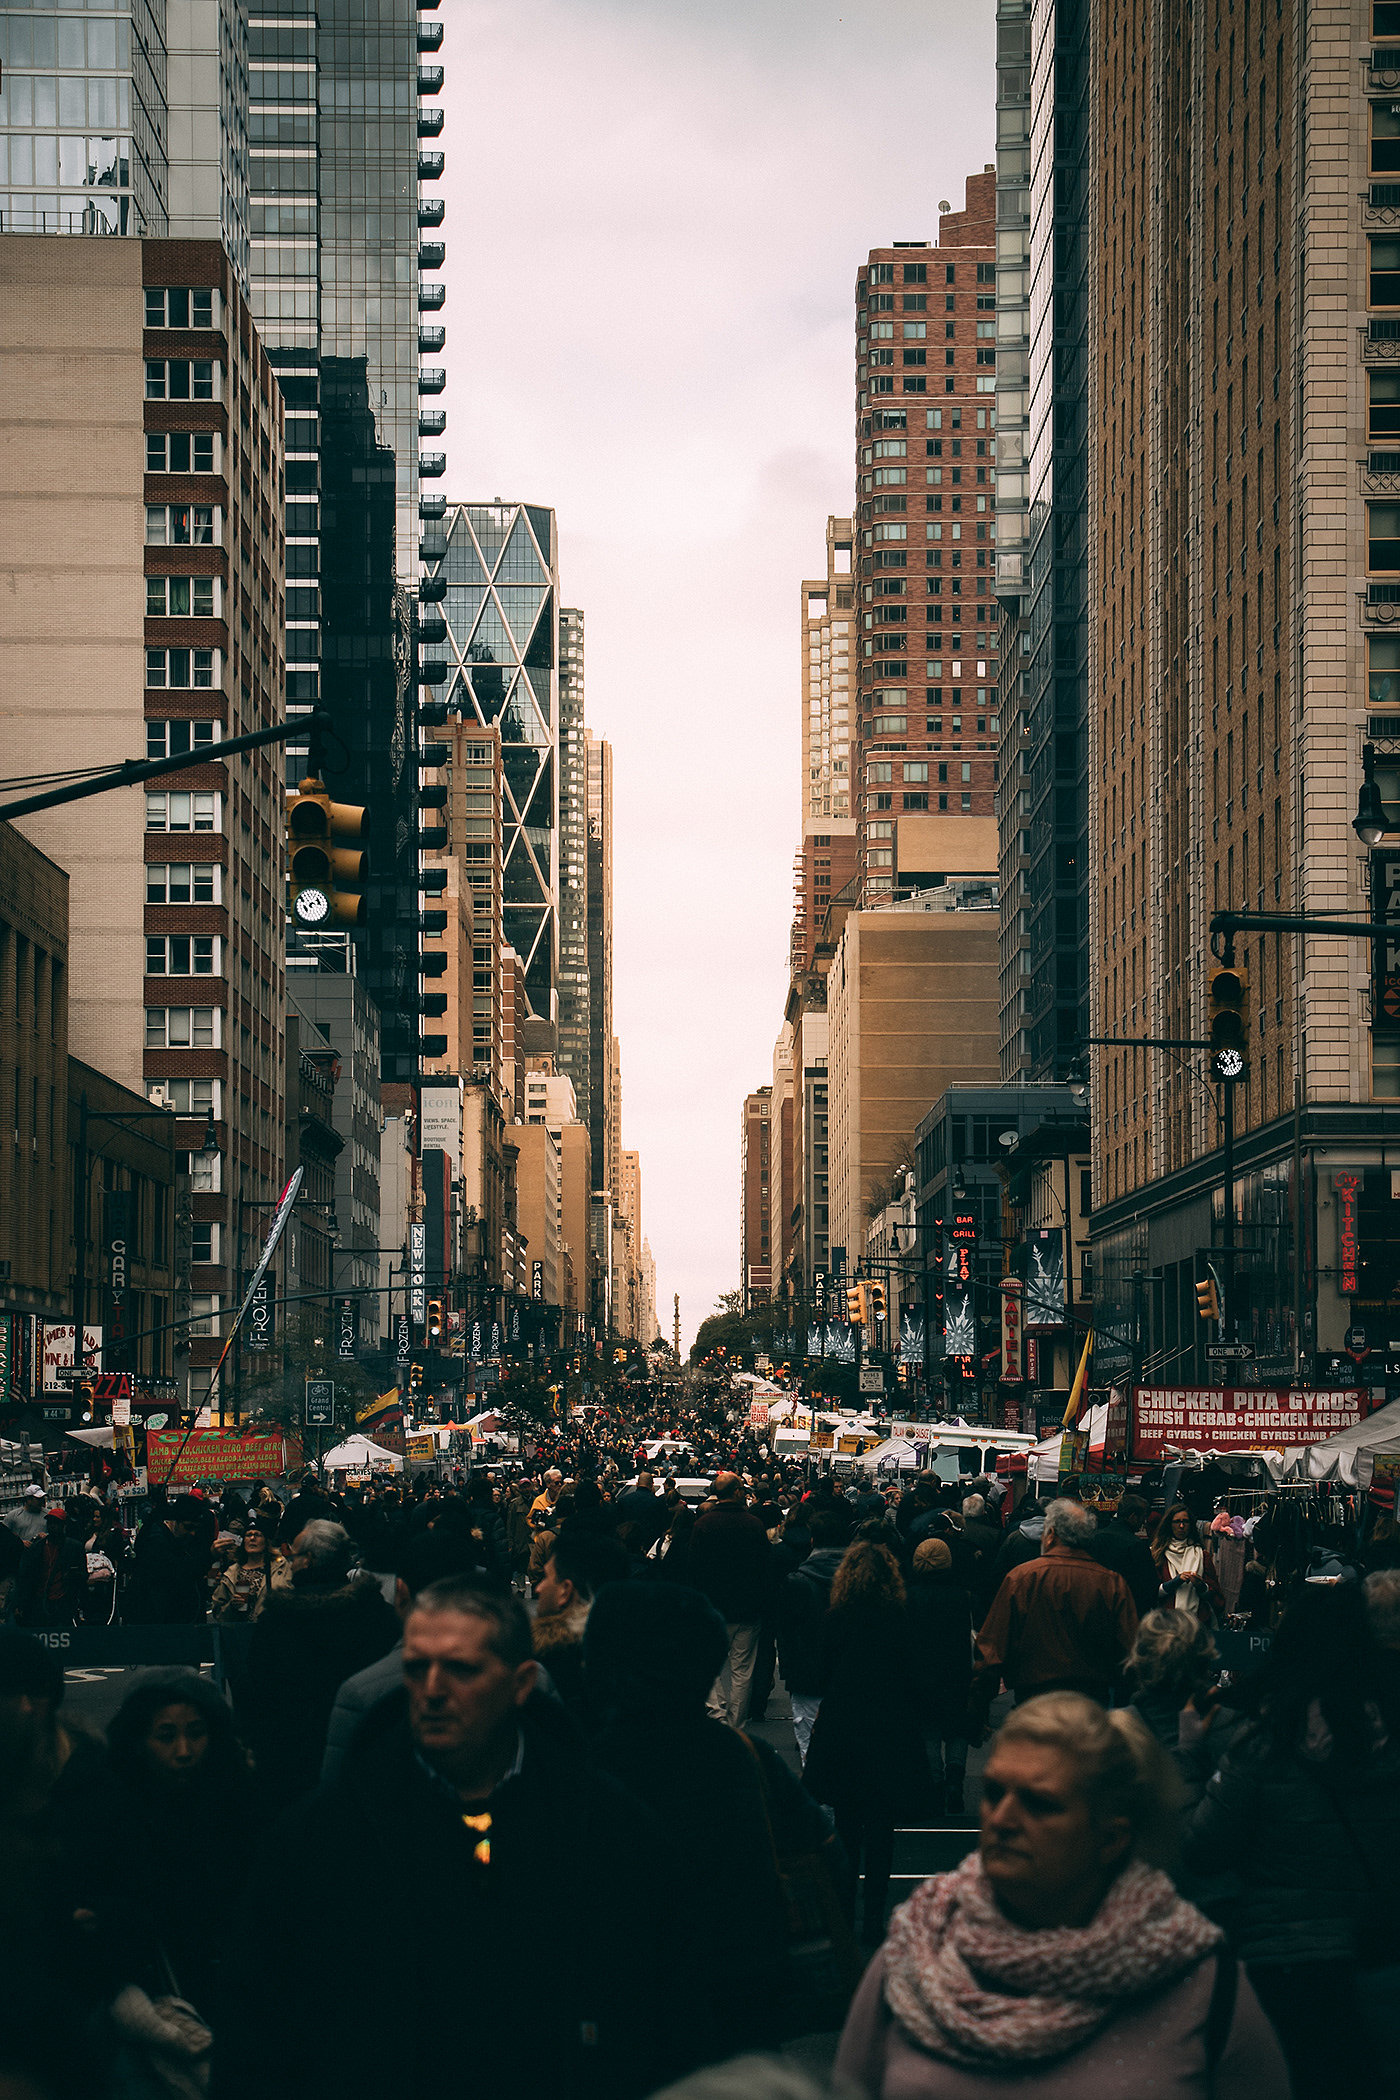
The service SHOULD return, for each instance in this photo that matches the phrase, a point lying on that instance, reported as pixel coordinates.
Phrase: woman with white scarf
(1058, 1960)
(1188, 1573)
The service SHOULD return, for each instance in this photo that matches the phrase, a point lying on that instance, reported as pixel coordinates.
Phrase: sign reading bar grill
(1237, 1418)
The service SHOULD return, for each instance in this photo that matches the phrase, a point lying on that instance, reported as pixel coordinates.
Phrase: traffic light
(875, 1292)
(1229, 1020)
(325, 872)
(855, 1304)
(415, 1378)
(435, 1319)
(1208, 1299)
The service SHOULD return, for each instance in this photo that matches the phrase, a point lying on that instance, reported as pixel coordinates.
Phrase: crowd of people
(482, 1806)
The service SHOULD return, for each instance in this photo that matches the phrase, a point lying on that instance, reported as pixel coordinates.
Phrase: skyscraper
(755, 1199)
(496, 567)
(925, 390)
(575, 1042)
(827, 858)
(602, 1107)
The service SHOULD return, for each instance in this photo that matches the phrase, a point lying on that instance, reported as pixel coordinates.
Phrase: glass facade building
(575, 1003)
(500, 608)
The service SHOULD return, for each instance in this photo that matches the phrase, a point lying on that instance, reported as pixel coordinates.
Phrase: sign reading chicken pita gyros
(1237, 1418)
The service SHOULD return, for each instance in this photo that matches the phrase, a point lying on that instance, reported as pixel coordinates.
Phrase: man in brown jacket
(1060, 1623)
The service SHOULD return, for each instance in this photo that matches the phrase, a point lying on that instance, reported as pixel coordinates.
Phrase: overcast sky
(655, 213)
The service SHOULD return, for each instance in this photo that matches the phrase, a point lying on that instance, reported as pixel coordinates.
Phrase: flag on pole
(1081, 1377)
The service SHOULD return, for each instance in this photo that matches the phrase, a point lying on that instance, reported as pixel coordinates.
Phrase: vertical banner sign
(262, 1317)
(418, 1273)
(815, 1338)
(403, 1345)
(495, 1348)
(536, 1280)
(959, 1317)
(476, 1341)
(347, 1329)
(1385, 983)
(1347, 1189)
(911, 1335)
(116, 1226)
(274, 1233)
(8, 1323)
(819, 1295)
(1045, 1277)
(1032, 1360)
(1012, 1370)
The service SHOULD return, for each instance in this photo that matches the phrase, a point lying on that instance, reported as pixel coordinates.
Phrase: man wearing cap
(26, 1521)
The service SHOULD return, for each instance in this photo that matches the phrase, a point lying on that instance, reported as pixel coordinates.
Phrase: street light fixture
(211, 1135)
(959, 1186)
(1369, 823)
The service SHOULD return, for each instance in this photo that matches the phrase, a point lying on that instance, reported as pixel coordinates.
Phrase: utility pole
(676, 1327)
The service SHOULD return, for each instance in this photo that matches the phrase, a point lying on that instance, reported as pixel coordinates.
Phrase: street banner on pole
(284, 1210)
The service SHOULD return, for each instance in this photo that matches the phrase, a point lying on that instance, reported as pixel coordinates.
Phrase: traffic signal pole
(1227, 1236)
(132, 770)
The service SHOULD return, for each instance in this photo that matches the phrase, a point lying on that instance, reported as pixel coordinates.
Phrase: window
(205, 1171)
(1384, 271)
(916, 273)
(986, 330)
(950, 273)
(880, 770)
(881, 302)
(180, 379)
(204, 1240)
(187, 1097)
(891, 532)
(182, 1027)
(179, 306)
(180, 667)
(915, 331)
(880, 857)
(889, 725)
(883, 801)
(179, 597)
(916, 802)
(967, 802)
(1383, 538)
(966, 773)
(173, 811)
(1383, 404)
(204, 1311)
(183, 882)
(167, 739)
(180, 955)
(942, 774)
(180, 451)
(882, 273)
(183, 525)
(915, 769)
(881, 831)
(1385, 138)
(891, 477)
(882, 331)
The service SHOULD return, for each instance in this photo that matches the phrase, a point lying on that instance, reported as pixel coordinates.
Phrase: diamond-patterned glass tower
(502, 615)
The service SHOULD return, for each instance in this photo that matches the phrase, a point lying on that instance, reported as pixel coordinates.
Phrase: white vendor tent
(896, 1452)
(359, 1451)
(1347, 1455)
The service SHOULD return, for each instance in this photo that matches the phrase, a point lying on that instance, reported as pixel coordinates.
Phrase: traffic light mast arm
(132, 769)
(1229, 923)
(1147, 1042)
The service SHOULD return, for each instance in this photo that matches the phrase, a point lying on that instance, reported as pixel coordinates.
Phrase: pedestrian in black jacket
(1121, 1544)
(52, 1580)
(729, 1564)
(169, 1567)
(516, 1903)
(802, 1604)
(1306, 1810)
(940, 1625)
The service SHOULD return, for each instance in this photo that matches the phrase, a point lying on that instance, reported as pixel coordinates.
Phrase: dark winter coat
(460, 2004)
(941, 1649)
(867, 1742)
(64, 1571)
(168, 1585)
(729, 1562)
(1019, 1545)
(1129, 1555)
(306, 1643)
(802, 1605)
(639, 1506)
(1311, 1839)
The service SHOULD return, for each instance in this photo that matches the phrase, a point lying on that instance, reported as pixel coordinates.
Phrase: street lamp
(959, 1186)
(1370, 823)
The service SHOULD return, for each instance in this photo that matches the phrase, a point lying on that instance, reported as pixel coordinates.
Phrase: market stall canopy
(102, 1438)
(359, 1451)
(490, 1419)
(896, 1451)
(1347, 1455)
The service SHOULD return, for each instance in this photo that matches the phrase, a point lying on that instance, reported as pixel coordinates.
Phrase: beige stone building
(912, 1010)
(141, 615)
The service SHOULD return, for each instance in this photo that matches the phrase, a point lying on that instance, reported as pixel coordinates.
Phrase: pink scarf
(976, 1990)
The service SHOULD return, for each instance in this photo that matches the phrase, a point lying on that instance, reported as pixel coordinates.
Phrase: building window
(881, 857)
(187, 1097)
(177, 811)
(881, 831)
(169, 739)
(889, 725)
(180, 306)
(180, 955)
(183, 882)
(180, 451)
(180, 379)
(967, 802)
(916, 802)
(916, 273)
(915, 331)
(204, 1241)
(1383, 538)
(181, 667)
(881, 770)
(1384, 271)
(915, 769)
(204, 1312)
(183, 525)
(1383, 404)
(915, 357)
(966, 772)
(891, 477)
(180, 597)
(182, 1027)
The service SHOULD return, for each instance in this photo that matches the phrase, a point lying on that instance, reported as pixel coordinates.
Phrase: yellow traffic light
(1208, 1299)
(855, 1304)
(435, 1319)
(1229, 1020)
(325, 874)
(875, 1292)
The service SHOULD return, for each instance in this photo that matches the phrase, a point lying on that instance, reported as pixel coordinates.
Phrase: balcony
(431, 671)
(432, 211)
(431, 165)
(1383, 68)
(431, 255)
(432, 379)
(432, 1003)
(430, 36)
(431, 297)
(430, 339)
(434, 797)
(432, 922)
(430, 80)
(432, 506)
(431, 422)
(432, 838)
(1380, 204)
(432, 590)
(433, 754)
(432, 548)
(431, 965)
(432, 465)
(432, 630)
(430, 123)
(1380, 340)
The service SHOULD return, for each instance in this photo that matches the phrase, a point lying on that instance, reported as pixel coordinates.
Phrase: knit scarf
(976, 1990)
